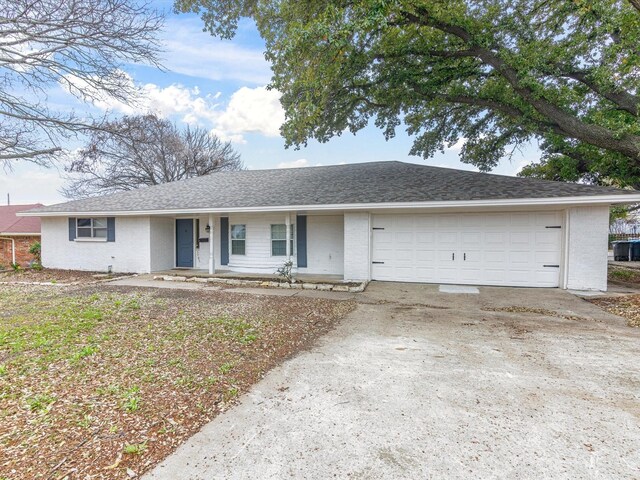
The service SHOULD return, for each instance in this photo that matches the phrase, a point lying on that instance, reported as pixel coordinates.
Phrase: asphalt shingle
(376, 182)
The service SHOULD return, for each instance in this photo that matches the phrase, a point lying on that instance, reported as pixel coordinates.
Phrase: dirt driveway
(508, 383)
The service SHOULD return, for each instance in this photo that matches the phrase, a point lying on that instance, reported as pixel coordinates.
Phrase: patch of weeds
(624, 275)
(85, 352)
(187, 381)
(86, 421)
(231, 393)
(41, 402)
(3, 370)
(211, 380)
(135, 448)
(133, 304)
(225, 368)
(113, 429)
(131, 399)
(236, 329)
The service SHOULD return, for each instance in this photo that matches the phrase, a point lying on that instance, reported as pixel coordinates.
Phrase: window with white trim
(238, 239)
(279, 240)
(91, 227)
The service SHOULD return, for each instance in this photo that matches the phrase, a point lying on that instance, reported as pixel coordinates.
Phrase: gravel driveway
(509, 383)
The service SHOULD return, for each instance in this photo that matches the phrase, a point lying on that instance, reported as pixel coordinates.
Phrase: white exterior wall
(129, 253)
(325, 245)
(257, 256)
(357, 246)
(586, 252)
(162, 243)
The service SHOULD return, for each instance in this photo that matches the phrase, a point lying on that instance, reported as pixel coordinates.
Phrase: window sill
(99, 240)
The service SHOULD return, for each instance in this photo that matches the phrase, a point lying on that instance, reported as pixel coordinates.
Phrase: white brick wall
(129, 253)
(587, 248)
(357, 239)
(325, 247)
(162, 243)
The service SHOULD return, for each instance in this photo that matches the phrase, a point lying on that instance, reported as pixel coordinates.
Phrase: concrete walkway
(421, 384)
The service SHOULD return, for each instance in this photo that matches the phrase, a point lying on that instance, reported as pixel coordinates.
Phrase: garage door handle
(453, 256)
(551, 266)
(464, 257)
(377, 263)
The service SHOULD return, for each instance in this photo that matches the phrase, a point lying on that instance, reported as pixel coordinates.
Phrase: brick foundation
(23, 257)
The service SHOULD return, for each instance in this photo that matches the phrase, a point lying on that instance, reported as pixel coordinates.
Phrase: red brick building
(17, 234)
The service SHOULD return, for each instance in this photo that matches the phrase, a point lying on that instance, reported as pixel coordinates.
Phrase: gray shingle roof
(376, 182)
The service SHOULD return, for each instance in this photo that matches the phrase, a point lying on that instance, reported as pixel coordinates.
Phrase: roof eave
(512, 202)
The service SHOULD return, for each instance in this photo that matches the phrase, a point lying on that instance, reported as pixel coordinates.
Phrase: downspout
(13, 248)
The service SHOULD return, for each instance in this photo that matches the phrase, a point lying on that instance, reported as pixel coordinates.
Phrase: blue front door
(184, 243)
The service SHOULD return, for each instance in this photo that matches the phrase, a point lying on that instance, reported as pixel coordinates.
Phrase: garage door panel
(501, 248)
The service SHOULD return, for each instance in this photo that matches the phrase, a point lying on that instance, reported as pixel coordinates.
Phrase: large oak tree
(498, 73)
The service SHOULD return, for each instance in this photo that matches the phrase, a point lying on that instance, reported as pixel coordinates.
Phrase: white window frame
(92, 229)
(231, 239)
(292, 238)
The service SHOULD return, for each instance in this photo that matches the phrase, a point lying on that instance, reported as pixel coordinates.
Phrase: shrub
(36, 250)
(285, 271)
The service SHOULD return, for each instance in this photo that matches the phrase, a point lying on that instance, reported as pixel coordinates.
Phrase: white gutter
(13, 248)
(517, 202)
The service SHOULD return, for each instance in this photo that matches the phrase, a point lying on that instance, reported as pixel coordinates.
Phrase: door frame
(193, 241)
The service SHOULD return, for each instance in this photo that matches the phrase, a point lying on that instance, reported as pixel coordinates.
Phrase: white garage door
(515, 249)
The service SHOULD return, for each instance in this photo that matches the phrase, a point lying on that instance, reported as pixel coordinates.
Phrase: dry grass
(104, 382)
(627, 307)
(51, 275)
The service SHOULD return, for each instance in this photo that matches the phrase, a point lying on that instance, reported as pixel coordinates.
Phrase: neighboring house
(382, 221)
(17, 234)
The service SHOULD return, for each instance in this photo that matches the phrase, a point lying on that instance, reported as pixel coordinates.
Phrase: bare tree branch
(140, 151)
(80, 45)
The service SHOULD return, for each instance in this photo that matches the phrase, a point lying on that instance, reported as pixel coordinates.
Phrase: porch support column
(288, 224)
(211, 260)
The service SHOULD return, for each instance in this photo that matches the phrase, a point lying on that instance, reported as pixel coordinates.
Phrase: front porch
(249, 246)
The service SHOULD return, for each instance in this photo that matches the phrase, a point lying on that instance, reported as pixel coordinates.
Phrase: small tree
(145, 150)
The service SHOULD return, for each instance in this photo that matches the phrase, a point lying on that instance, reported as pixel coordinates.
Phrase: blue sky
(219, 85)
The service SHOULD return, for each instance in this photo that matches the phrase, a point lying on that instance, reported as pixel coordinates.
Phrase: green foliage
(84, 352)
(36, 250)
(40, 403)
(225, 368)
(131, 399)
(16, 267)
(498, 74)
(285, 271)
(624, 275)
(235, 329)
(135, 448)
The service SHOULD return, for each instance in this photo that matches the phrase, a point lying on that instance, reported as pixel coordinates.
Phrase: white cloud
(174, 100)
(458, 145)
(302, 162)
(251, 110)
(190, 51)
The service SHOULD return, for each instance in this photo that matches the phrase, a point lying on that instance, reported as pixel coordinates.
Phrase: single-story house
(389, 221)
(17, 234)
